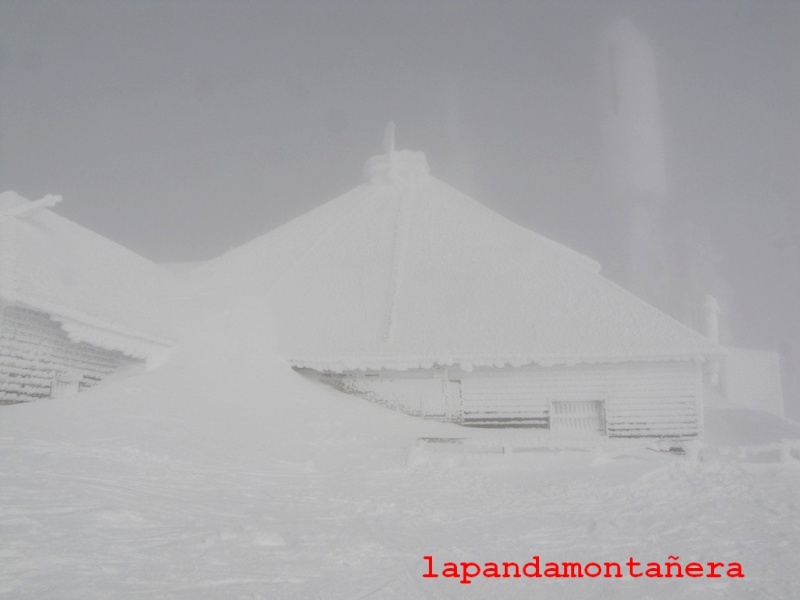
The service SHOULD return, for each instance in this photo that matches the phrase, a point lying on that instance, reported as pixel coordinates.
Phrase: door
(578, 415)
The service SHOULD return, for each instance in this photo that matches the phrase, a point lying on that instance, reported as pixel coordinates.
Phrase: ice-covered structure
(637, 183)
(415, 296)
(74, 306)
(634, 158)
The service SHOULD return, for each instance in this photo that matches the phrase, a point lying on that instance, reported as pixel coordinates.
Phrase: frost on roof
(101, 292)
(405, 271)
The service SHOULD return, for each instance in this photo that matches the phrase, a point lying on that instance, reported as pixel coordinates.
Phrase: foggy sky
(181, 129)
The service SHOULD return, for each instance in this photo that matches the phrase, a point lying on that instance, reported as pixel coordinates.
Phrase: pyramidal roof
(99, 292)
(405, 271)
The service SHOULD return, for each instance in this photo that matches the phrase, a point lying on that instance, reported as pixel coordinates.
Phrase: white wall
(640, 399)
(751, 379)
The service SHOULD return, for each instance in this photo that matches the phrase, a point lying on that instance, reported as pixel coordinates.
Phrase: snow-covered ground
(226, 475)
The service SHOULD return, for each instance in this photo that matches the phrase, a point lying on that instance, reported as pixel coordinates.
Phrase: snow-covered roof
(405, 271)
(100, 292)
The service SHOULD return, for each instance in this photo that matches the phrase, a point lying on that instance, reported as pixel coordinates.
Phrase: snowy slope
(225, 475)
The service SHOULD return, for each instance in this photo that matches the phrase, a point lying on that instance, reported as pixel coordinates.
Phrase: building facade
(75, 308)
(409, 293)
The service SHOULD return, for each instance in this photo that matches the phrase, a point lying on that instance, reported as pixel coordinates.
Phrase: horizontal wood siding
(38, 360)
(640, 399)
(645, 399)
(512, 399)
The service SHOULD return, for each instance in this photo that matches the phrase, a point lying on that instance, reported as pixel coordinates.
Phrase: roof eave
(467, 363)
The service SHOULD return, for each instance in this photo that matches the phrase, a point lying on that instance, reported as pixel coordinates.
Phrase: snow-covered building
(411, 294)
(667, 275)
(74, 306)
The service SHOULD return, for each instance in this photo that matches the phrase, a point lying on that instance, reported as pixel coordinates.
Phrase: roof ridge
(402, 223)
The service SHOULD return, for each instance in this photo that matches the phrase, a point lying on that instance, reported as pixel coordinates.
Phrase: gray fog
(181, 129)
